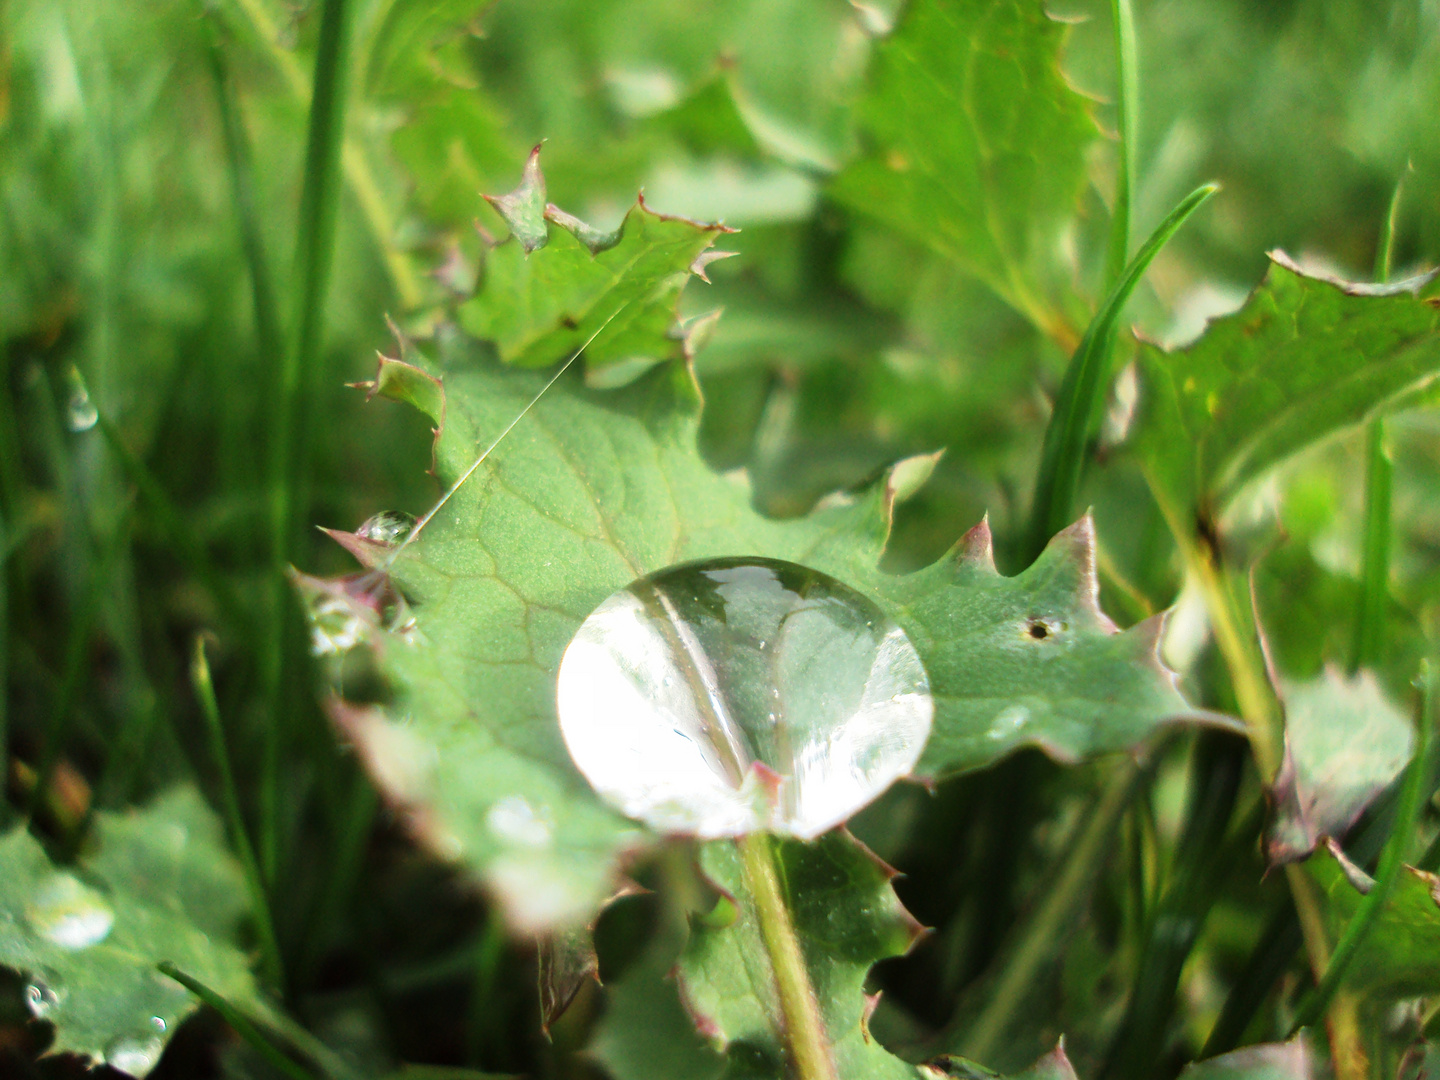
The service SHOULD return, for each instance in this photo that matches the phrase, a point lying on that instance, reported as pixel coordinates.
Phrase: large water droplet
(135, 1054)
(80, 411)
(666, 698)
(69, 913)
(387, 527)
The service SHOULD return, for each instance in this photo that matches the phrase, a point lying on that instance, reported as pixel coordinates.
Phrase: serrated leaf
(977, 142)
(1344, 742)
(543, 298)
(1304, 358)
(594, 490)
(846, 917)
(159, 886)
(1268, 1061)
(1398, 957)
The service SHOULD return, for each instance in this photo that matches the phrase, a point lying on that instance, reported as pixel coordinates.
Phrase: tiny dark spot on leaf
(1038, 630)
(567, 322)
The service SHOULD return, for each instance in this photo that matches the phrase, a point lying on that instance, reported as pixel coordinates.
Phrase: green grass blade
(1375, 560)
(242, 1024)
(269, 337)
(1127, 70)
(1392, 858)
(210, 709)
(1379, 473)
(1077, 408)
(314, 249)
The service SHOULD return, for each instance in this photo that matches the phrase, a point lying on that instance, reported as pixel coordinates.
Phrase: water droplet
(80, 411)
(665, 697)
(42, 999)
(514, 821)
(69, 913)
(135, 1054)
(387, 527)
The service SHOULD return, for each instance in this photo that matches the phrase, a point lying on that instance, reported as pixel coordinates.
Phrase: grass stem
(805, 1038)
(239, 836)
(243, 1025)
(314, 249)
(1037, 942)
(1127, 77)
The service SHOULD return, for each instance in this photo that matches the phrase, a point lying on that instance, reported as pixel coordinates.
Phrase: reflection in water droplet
(134, 1054)
(665, 697)
(80, 411)
(69, 913)
(42, 999)
(387, 527)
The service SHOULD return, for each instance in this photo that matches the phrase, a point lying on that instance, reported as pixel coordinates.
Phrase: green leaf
(1268, 1061)
(1304, 358)
(847, 918)
(159, 886)
(1344, 743)
(405, 39)
(594, 490)
(542, 298)
(977, 143)
(1397, 958)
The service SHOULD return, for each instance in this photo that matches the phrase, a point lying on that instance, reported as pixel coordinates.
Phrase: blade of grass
(4, 668)
(1127, 72)
(314, 249)
(1078, 405)
(357, 169)
(269, 336)
(1037, 941)
(239, 836)
(1379, 472)
(1278, 944)
(1392, 860)
(1202, 856)
(242, 1024)
(173, 524)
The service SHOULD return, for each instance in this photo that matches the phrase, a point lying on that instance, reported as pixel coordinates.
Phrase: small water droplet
(42, 999)
(387, 527)
(69, 913)
(725, 697)
(135, 1054)
(514, 821)
(80, 411)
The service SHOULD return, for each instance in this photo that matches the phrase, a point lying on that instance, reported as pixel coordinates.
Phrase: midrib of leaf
(1272, 433)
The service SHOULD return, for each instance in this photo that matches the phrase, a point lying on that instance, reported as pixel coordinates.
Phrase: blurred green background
(152, 158)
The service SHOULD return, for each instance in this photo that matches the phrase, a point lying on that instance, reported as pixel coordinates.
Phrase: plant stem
(1407, 814)
(319, 205)
(805, 1039)
(1037, 942)
(1278, 944)
(1127, 78)
(205, 691)
(1078, 404)
(1237, 638)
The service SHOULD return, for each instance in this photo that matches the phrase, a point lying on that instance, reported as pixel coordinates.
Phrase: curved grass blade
(1077, 408)
(239, 1021)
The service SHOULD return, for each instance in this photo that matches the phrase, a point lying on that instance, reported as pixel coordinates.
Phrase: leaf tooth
(524, 208)
(1072, 550)
(705, 258)
(976, 549)
(369, 553)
